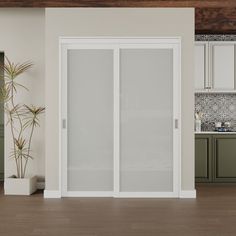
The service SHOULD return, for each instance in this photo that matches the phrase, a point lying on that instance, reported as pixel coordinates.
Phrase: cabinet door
(222, 66)
(203, 158)
(1, 152)
(225, 159)
(200, 69)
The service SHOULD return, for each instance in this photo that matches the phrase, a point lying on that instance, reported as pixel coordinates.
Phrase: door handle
(63, 123)
(176, 123)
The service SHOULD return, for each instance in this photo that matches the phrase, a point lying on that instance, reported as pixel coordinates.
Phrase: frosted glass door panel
(90, 120)
(146, 120)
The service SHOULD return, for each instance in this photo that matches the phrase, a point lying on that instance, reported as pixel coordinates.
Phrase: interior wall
(118, 22)
(22, 39)
(1, 121)
(1, 82)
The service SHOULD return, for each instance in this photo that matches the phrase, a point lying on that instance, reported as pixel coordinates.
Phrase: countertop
(214, 132)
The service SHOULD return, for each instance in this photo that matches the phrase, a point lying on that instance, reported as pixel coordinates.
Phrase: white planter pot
(15, 186)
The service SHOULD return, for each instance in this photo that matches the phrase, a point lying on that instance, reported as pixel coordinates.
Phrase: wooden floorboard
(213, 213)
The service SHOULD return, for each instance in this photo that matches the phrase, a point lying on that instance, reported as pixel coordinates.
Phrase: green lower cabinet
(1, 152)
(215, 158)
(224, 158)
(203, 160)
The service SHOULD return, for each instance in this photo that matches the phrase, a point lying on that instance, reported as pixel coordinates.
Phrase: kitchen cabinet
(203, 151)
(200, 70)
(1, 152)
(215, 67)
(224, 158)
(222, 65)
(215, 158)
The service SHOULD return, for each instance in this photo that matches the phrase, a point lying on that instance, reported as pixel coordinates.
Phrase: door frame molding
(116, 43)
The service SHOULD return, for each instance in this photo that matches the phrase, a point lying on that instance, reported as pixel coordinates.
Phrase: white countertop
(214, 132)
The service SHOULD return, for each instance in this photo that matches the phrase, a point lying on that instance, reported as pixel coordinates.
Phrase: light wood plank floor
(213, 213)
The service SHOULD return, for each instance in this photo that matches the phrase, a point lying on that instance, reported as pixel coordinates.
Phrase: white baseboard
(52, 194)
(188, 194)
(57, 194)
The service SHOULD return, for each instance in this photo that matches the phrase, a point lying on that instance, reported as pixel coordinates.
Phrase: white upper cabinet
(222, 65)
(200, 70)
(215, 68)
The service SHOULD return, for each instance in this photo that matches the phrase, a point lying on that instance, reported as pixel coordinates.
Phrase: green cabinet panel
(203, 165)
(1, 152)
(215, 158)
(224, 158)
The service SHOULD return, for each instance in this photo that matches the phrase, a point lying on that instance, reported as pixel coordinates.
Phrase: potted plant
(23, 120)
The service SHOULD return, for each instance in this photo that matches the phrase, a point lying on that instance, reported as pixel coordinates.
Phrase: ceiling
(211, 16)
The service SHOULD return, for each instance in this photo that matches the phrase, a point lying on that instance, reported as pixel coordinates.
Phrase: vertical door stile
(116, 118)
(176, 114)
(64, 98)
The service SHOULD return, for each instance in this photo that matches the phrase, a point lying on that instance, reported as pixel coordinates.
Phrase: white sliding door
(120, 115)
(146, 120)
(89, 121)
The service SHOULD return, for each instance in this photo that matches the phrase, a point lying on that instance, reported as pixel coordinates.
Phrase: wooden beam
(215, 20)
(118, 3)
(212, 16)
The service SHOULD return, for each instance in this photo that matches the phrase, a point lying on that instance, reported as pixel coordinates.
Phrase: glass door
(90, 121)
(146, 159)
(120, 111)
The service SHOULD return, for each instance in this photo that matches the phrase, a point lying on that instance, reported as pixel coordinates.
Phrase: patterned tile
(216, 107)
(215, 37)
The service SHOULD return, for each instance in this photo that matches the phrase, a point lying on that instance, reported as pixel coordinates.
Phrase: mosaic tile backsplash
(216, 108)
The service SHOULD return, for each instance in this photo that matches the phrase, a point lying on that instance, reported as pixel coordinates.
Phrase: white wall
(22, 39)
(1, 124)
(118, 22)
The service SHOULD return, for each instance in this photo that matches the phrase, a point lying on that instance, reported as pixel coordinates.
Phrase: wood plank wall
(211, 16)
(215, 20)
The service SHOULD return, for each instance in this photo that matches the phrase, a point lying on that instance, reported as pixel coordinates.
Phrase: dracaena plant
(22, 118)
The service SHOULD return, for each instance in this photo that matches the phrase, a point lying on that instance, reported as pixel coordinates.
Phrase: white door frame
(66, 43)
